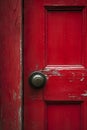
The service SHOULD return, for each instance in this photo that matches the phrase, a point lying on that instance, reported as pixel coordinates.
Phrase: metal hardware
(37, 79)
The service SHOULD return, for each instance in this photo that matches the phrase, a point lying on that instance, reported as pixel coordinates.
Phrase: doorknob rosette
(37, 79)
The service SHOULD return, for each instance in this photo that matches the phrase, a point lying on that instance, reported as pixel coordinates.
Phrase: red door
(55, 44)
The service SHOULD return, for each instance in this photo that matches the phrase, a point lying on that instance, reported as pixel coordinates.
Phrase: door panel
(64, 116)
(63, 33)
(55, 44)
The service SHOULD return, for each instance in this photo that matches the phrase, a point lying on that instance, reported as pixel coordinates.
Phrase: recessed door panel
(64, 37)
(64, 116)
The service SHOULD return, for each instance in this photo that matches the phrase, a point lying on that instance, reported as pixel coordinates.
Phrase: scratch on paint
(72, 96)
(19, 113)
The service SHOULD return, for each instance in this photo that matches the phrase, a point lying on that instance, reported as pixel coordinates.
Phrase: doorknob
(37, 79)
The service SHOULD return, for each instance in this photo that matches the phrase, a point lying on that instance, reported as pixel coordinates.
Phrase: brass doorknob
(37, 79)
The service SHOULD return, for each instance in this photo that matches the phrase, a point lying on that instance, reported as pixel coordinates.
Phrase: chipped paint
(82, 79)
(51, 72)
(84, 94)
(56, 73)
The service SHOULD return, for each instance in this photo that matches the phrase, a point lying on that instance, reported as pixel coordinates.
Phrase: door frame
(11, 65)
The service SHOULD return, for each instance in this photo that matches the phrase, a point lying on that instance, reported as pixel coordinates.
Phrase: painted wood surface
(10, 65)
(55, 43)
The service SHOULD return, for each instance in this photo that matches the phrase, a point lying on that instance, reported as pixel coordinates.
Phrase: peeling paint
(46, 69)
(84, 94)
(47, 77)
(51, 72)
(82, 79)
(56, 73)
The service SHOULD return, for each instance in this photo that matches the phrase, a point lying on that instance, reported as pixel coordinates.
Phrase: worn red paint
(55, 43)
(10, 67)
